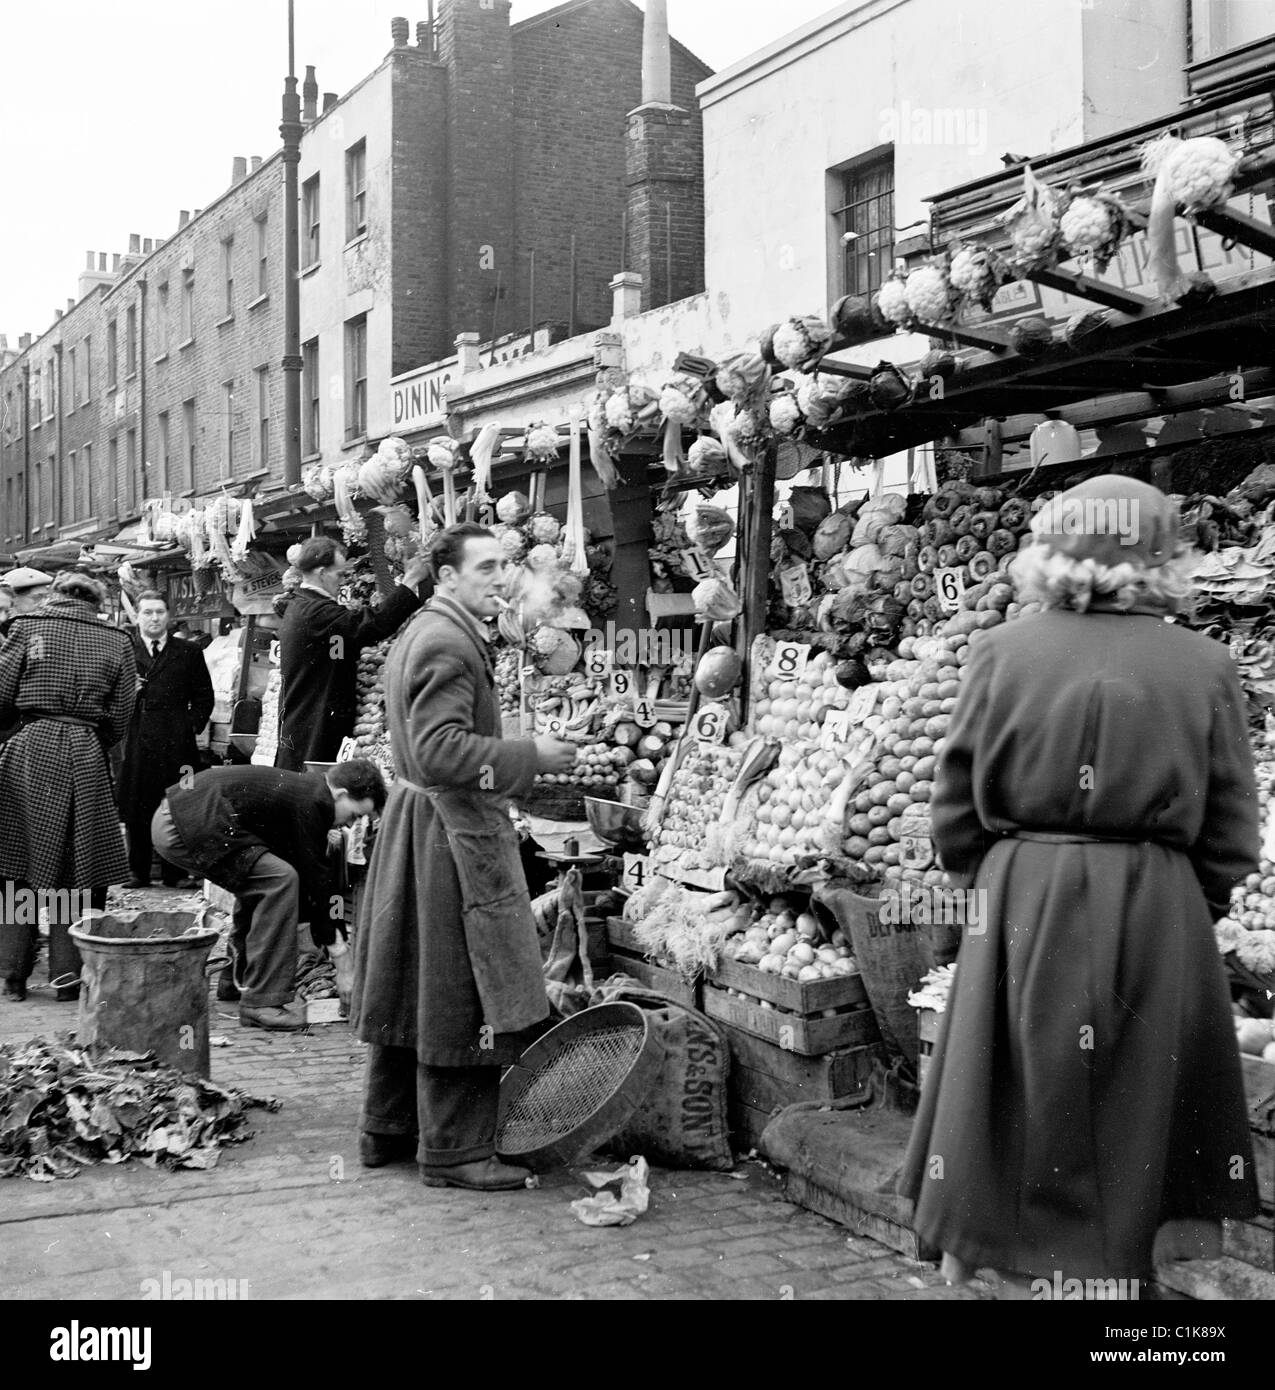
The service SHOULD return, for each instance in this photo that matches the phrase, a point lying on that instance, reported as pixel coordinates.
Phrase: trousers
(138, 815)
(19, 941)
(265, 920)
(451, 1109)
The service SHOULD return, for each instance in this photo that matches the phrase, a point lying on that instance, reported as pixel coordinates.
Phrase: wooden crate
(789, 1031)
(1259, 1087)
(809, 999)
(630, 956)
(764, 1078)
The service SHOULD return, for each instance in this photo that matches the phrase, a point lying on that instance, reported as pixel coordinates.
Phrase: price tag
(555, 727)
(836, 728)
(597, 663)
(710, 723)
(862, 702)
(347, 750)
(789, 660)
(644, 713)
(794, 581)
(526, 672)
(637, 872)
(622, 684)
(949, 586)
(695, 565)
(784, 519)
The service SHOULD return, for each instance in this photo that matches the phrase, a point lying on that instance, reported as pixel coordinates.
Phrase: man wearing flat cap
(27, 588)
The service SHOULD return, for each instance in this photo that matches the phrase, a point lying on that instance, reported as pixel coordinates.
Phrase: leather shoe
(68, 994)
(277, 1018)
(132, 881)
(378, 1150)
(484, 1175)
(15, 989)
(226, 991)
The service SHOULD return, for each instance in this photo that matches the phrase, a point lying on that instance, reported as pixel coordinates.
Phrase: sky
(115, 117)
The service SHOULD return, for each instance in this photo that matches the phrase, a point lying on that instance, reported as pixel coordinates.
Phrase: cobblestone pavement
(291, 1214)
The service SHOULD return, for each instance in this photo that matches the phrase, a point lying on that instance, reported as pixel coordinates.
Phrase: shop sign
(417, 399)
(187, 600)
(257, 593)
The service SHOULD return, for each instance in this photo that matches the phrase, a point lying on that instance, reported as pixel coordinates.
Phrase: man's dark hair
(151, 596)
(448, 547)
(318, 553)
(361, 779)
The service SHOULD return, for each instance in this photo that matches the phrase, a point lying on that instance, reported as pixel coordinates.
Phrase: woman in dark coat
(1097, 787)
(71, 681)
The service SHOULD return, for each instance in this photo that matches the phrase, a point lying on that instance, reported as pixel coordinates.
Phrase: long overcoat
(58, 824)
(447, 960)
(1086, 1086)
(319, 645)
(173, 705)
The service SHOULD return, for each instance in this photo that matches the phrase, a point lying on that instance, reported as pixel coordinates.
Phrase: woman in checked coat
(70, 680)
(1097, 786)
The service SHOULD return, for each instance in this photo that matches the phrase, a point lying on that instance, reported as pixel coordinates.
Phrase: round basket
(577, 1086)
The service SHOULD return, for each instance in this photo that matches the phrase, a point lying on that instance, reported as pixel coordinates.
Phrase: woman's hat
(1111, 520)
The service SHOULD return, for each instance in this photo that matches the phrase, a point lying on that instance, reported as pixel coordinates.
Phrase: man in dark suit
(174, 702)
(319, 645)
(262, 834)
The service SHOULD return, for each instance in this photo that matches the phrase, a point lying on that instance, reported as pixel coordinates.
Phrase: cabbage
(832, 535)
(716, 601)
(895, 539)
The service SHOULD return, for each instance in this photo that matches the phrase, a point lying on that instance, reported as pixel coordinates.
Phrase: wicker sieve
(577, 1086)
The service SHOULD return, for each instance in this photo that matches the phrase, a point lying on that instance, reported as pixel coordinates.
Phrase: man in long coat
(319, 645)
(174, 702)
(448, 979)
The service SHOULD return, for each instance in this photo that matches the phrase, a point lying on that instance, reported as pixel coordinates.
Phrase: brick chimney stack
(666, 200)
(238, 170)
(309, 95)
(330, 99)
(399, 30)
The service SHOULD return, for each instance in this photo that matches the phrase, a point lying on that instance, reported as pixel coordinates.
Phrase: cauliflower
(928, 294)
(398, 521)
(1086, 224)
(513, 508)
(619, 411)
(542, 443)
(677, 401)
(1198, 171)
(817, 398)
(973, 273)
(1229, 934)
(542, 557)
(785, 414)
(545, 529)
(892, 302)
(1256, 951)
(555, 650)
(442, 453)
(800, 339)
(705, 454)
(512, 545)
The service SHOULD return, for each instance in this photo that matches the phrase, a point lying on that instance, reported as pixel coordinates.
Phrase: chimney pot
(309, 94)
(70, 304)
(89, 263)
(425, 35)
(134, 244)
(329, 101)
(4, 342)
(238, 169)
(101, 261)
(657, 87)
(115, 262)
(182, 218)
(24, 341)
(254, 163)
(148, 246)
(57, 314)
(398, 31)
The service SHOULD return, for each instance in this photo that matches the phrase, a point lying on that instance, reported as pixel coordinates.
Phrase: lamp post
(290, 129)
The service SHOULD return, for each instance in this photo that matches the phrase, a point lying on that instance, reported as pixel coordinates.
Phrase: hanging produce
(976, 273)
(1033, 223)
(800, 342)
(1198, 173)
(1093, 226)
(929, 295)
(543, 443)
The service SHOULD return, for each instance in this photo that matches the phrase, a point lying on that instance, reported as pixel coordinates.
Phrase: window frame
(311, 222)
(261, 435)
(86, 463)
(112, 355)
(189, 406)
(130, 341)
(88, 371)
(187, 307)
(228, 428)
(861, 265)
(228, 276)
(164, 433)
(161, 319)
(261, 224)
(73, 392)
(356, 378)
(356, 222)
(312, 400)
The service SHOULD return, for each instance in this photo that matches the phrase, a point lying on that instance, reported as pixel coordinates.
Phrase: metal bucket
(145, 986)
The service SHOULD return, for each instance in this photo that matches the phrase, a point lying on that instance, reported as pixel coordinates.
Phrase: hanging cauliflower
(716, 601)
(678, 401)
(545, 529)
(928, 294)
(513, 508)
(706, 454)
(976, 274)
(542, 558)
(554, 650)
(798, 340)
(1199, 171)
(619, 411)
(892, 302)
(785, 414)
(513, 545)
(1033, 221)
(542, 443)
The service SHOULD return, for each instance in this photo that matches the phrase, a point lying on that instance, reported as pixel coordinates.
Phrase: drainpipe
(141, 385)
(26, 452)
(60, 414)
(291, 128)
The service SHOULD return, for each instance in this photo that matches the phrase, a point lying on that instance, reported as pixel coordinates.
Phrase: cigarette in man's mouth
(504, 603)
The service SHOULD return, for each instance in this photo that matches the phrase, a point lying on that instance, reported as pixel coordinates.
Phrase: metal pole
(290, 129)
(624, 239)
(532, 297)
(572, 330)
(668, 253)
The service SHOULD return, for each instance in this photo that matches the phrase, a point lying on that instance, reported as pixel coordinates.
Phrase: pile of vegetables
(693, 809)
(682, 926)
(371, 734)
(785, 940)
(1249, 930)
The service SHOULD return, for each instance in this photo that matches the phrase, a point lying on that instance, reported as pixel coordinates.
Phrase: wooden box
(1259, 1087)
(764, 1079)
(810, 998)
(631, 957)
(791, 1031)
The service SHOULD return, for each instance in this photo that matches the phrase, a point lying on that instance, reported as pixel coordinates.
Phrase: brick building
(423, 193)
